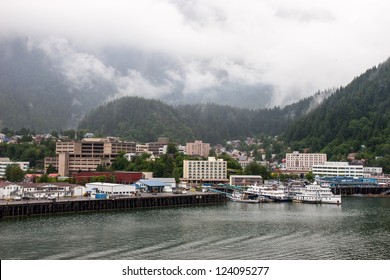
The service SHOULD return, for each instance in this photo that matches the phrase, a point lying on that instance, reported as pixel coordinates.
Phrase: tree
(120, 163)
(171, 149)
(309, 176)
(50, 169)
(14, 173)
(256, 169)
(100, 168)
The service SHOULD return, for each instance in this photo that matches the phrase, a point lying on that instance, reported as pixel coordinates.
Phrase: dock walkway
(77, 205)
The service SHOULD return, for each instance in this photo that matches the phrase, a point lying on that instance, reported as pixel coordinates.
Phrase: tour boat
(315, 193)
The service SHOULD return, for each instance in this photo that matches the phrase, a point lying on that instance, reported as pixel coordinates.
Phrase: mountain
(35, 92)
(145, 120)
(49, 84)
(355, 118)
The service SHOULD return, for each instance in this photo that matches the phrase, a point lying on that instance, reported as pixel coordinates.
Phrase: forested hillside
(144, 120)
(355, 118)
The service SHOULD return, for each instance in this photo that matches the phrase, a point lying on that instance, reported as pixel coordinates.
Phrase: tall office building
(87, 154)
(303, 162)
(198, 148)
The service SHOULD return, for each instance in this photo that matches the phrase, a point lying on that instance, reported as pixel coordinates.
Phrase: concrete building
(156, 148)
(330, 168)
(205, 171)
(303, 162)
(198, 148)
(246, 180)
(87, 154)
(5, 162)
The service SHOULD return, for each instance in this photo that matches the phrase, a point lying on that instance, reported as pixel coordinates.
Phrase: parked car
(17, 198)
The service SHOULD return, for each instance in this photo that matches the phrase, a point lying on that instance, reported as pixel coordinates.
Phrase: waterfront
(357, 229)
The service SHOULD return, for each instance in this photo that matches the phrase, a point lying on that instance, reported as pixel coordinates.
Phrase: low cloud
(296, 47)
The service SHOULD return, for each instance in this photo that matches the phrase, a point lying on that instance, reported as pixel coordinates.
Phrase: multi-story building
(330, 168)
(198, 148)
(5, 162)
(156, 148)
(303, 162)
(205, 171)
(373, 170)
(246, 180)
(87, 154)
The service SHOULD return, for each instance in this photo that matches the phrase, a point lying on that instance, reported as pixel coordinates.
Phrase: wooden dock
(64, 205)
(360, 189)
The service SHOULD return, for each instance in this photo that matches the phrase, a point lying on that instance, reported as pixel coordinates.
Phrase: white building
(111, 189)
(331, 168)
(303, 162)
(373, 170)
(40, 190)
(4, 162)
(200, 171)
(9, 190)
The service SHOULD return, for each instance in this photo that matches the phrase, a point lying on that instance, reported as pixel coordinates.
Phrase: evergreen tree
(14, 173)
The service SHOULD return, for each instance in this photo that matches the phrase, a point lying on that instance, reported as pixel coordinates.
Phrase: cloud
(297, 46)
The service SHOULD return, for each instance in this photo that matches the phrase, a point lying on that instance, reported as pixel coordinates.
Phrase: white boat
(244, 197)
(315, 193)
(269, 193)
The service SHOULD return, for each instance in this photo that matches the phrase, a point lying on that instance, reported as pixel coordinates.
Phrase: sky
(297, 46)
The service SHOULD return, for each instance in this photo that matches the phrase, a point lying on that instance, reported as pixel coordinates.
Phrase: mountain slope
(144, 120)
(355, 118)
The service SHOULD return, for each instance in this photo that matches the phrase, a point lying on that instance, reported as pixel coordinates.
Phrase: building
(330, 168)
(170, 183)
(39, 190)
(5, 162)
(205, 171)
(198, 148)
(373, 170)
(154, 186)
(110, 189)
(87, 154)
(157, 148)
(119, 177)
(303, 162)
(246, 180)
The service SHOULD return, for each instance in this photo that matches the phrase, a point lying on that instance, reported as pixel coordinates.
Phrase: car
(17, 198)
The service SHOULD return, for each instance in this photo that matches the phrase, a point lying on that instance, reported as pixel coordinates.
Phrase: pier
(360, 190)
(65, 205)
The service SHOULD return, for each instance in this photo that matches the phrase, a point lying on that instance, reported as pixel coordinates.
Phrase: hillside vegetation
(355, 118)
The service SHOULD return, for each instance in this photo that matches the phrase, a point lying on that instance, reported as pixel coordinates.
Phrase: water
(359, 229)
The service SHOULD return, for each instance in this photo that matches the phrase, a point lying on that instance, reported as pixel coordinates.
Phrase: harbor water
(357, 229)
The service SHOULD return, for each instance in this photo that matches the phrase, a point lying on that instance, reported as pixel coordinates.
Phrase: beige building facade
(296, 161)
(201, 171)
(87, 154)
(198, 148)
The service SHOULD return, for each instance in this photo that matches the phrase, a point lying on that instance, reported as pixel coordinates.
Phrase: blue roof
(153, 183)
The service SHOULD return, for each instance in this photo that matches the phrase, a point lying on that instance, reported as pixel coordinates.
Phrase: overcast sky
(299, 46)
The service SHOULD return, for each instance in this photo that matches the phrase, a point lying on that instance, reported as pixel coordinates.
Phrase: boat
(316, 194)
(244, 197)
(269, 193)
